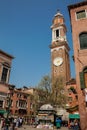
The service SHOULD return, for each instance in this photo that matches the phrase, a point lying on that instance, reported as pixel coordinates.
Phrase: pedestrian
(17, 124)
(11, 127)
(20, 121)
(76, 125)
(14, 121)
(7, 124)
(72, 124)
(2, 124)
(69, 126)
(58, 123)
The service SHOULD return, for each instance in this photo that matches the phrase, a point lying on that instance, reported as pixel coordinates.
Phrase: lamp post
(9, 101)
(8, 104)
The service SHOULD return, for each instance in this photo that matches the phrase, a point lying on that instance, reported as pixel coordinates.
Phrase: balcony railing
(21, 107)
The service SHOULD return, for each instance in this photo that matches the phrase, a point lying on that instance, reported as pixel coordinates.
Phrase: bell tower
(60, 63)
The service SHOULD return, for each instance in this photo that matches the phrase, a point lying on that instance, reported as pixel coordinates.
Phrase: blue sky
(25, 33)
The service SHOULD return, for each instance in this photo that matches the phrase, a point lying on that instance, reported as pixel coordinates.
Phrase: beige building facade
(5, 69)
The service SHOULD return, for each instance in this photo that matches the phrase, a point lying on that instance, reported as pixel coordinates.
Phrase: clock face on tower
(58, 61)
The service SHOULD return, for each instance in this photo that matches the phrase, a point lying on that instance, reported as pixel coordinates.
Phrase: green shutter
(83, 41)
(82, 83)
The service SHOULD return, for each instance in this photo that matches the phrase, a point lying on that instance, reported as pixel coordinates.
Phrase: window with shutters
(82, 83)
(4, 74)
(83, 40)
(85, 77)
(81, 14)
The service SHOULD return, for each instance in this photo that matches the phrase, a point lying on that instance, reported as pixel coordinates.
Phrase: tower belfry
(60, 64)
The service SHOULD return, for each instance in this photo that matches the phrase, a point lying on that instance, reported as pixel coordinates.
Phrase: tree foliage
(59, 92)
(52, 93)
(44, 88)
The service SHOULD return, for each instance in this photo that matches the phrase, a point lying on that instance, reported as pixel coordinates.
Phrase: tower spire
(58, 13)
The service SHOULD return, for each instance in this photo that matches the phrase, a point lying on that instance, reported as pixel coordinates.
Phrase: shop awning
(74, 116)
(71, 109)
(2, 111)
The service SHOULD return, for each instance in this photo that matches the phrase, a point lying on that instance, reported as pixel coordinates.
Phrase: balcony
(23, 108)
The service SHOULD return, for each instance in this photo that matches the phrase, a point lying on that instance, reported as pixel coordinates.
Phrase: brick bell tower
(60, 63)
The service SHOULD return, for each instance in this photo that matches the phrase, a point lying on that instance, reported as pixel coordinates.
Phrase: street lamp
(8, 104)
(9, 101)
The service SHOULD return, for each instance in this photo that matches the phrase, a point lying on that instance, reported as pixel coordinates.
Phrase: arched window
(83, 40)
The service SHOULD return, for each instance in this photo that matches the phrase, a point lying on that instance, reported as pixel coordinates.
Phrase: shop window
(83, 40)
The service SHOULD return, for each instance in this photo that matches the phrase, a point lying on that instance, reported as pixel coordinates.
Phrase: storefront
(3, 113)
(73, 117)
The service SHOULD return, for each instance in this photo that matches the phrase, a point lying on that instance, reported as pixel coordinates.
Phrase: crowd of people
(15, 123)
(74, 125)
(10, 123)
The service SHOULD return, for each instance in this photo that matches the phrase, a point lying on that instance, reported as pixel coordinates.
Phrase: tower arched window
(83, 40)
